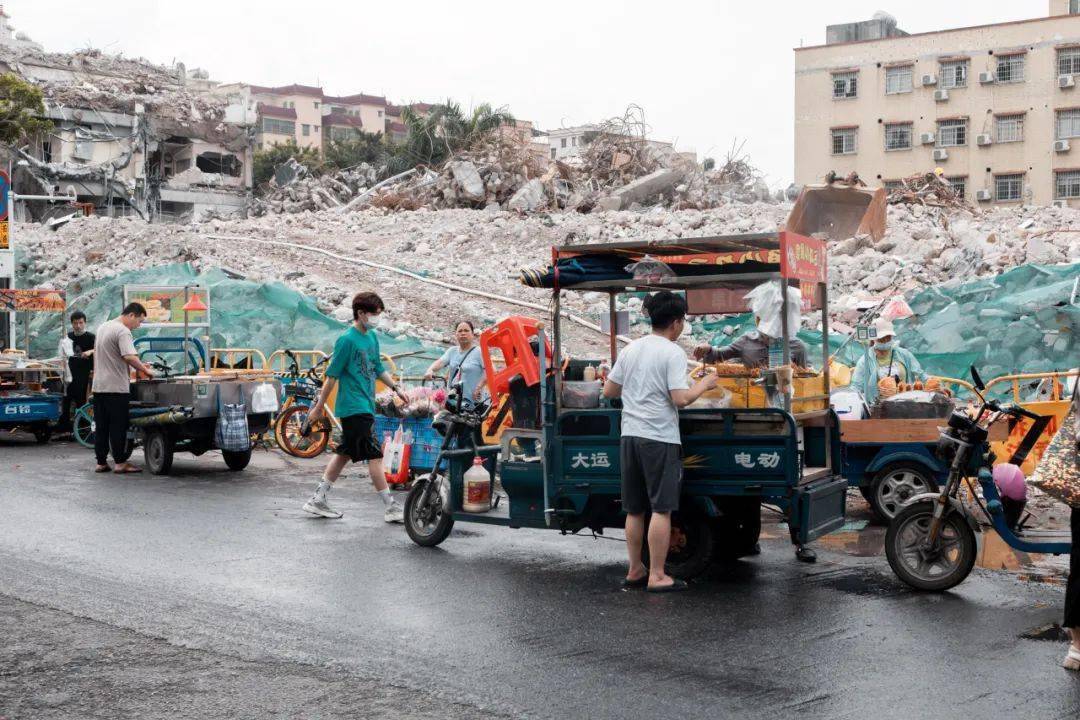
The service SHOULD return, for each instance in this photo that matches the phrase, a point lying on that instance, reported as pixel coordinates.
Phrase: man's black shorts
(651, 475)
(358, 442)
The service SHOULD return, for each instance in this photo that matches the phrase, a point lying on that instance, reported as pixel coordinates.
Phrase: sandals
(641, 582)
(102, 469)
(127, 471)
(677, 585)
(1072, 660)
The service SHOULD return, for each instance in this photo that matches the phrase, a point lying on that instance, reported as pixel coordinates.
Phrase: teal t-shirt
(356, 364)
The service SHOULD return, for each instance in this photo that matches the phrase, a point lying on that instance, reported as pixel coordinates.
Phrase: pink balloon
(1010, 481)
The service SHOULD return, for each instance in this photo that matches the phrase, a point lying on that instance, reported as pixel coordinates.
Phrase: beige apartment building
(996, 107)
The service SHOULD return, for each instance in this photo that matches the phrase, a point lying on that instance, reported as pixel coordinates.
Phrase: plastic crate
(426, 440)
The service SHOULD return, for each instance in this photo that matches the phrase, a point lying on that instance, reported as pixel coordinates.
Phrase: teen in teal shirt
(354, 368)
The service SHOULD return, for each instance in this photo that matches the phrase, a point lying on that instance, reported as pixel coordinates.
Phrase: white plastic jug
(477, 490)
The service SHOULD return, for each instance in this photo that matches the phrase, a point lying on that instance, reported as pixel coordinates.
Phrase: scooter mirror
(977, 380)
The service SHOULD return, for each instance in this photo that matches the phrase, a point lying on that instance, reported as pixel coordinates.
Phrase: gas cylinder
(477, 489)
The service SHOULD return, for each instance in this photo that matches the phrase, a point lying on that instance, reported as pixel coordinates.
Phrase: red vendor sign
(802, 258)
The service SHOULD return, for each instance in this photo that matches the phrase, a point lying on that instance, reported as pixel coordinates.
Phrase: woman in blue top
(464, 362)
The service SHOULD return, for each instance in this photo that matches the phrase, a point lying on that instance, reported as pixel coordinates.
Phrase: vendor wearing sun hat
(887, 359)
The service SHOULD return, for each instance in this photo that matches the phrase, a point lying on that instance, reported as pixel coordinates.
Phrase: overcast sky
(706, 73)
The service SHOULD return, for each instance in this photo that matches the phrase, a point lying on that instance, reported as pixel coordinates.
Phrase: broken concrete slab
(470, 184)
(528, 197)
(642, 189)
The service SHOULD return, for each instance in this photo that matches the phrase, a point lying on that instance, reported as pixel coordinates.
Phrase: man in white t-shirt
(650, 377)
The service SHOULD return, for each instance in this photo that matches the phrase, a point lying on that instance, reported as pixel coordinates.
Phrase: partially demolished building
(129, 137)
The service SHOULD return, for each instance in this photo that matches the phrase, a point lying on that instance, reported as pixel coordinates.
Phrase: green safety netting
(1018, 322)
(264, 316)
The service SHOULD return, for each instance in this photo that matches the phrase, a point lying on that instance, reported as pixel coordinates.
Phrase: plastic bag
(766, 303)
(650, 270)
(264, 399)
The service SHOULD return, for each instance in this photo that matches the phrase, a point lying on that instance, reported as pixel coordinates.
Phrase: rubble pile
(304, 192)
(928, 189)
(112, 83)
(482, 249)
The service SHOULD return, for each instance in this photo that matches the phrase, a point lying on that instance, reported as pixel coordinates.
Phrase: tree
(432, 139)
(708, 164)
(266, 161)
(350, 152)
(22, 110)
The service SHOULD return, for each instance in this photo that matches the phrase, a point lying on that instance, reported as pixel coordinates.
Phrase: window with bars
(843, 141)
(1068, 123)
(898, 136)
(1069, 61)
(959, 185)
(898, 79)
(278, 127)
(1008, 187)
(845, 85)
(1067, 184)
(1009, 128)
(1010, 68)
(952, 133)
(954, 74)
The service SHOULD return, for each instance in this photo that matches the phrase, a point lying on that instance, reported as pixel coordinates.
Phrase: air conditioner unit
(941, 154)
(1061, 203)
(983, 139)
(1061, 146)
(926, 138)
(987, 77)
(1066, 81)
(941, 95)
(983, 195)
(929, 79)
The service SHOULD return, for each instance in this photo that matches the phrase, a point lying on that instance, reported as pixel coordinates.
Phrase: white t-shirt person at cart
(648, 369)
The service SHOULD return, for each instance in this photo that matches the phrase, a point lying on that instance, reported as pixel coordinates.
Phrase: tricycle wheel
(692, 546)
(288, 436)
(42, 433)
(83, 427)
(158, 452)
(736, 534)
(428, 523)
(895, 484)
(237, 460)
(938, 568)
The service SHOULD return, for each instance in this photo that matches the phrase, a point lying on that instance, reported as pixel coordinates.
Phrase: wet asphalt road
(526, 623)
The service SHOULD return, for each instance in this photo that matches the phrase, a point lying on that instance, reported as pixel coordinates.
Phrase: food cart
(178, 409)
(31, 391)
(559, 462)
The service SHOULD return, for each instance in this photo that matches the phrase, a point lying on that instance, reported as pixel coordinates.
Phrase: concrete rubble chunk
(469, 183)
(640, 190)
(529, 197)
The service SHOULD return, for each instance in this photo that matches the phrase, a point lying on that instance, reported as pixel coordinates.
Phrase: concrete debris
(294, 190)
(927, 189)
(640, 189)
(481, 248)
(528, 198)
(466, 182)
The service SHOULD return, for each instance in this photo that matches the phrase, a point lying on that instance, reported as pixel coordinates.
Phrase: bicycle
(291, 429)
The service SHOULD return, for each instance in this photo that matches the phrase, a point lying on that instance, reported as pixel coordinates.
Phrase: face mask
(885, 346)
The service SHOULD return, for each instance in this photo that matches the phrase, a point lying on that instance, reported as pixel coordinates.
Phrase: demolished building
(129, 138)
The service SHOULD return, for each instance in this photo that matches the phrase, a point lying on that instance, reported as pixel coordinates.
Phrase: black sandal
(641, 582)
(676, 586)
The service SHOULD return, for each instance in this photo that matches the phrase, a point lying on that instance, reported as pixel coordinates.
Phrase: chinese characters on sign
(591, 460)
(802, 258)
(767, 460)
(16, 409)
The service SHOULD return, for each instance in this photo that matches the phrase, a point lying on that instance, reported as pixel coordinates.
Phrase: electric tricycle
(931, 543)
(558, 457)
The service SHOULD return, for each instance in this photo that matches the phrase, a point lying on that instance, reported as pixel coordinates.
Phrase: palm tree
(432, 139)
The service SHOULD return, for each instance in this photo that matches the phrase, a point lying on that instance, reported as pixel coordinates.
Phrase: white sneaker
(395, 513)
(319, 507)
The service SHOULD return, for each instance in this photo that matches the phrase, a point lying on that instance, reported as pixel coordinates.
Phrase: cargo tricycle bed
(558, 457)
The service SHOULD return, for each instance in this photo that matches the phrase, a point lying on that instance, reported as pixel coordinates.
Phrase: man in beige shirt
(114, 353)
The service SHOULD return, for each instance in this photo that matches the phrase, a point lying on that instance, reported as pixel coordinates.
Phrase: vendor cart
(179, 413)
(31, 391)
(559, 462)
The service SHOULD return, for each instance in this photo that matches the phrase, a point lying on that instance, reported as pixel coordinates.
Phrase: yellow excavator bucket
(835, 211)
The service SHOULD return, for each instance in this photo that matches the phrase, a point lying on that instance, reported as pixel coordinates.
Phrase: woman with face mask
(885, 359)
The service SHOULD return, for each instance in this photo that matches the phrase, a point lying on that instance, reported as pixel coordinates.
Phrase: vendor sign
(5, 186)
(32, 301)
(165, 304)
(802, 258)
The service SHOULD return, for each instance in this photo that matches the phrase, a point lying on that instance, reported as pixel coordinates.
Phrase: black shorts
(651, 475)
(358, 441)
